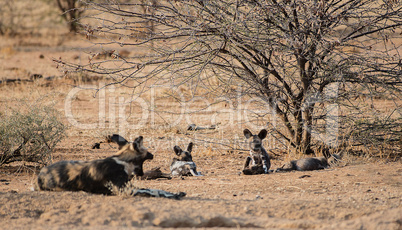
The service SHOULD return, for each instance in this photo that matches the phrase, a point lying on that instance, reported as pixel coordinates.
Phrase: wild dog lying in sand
(184, 165)
(94, 176)
(258, 162)
(308, 164)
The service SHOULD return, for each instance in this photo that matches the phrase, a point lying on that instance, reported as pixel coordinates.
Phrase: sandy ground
(357, 194)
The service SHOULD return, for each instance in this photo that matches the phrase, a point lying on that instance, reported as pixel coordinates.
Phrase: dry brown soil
(357, 194)
(363, 196)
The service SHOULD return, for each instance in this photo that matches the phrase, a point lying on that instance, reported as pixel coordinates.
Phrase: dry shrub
(376, 137)
(30, 133)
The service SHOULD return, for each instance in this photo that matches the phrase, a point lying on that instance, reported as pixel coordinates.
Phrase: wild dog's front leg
(193, 170)
(247, 169)
(247, 164)
(195, 173)
(266, 164)
(157, 193)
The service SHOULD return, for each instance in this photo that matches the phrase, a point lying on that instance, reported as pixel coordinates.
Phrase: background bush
(29, 134)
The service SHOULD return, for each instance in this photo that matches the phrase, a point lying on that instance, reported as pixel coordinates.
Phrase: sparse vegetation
(361, 192)
(378, 137)
(38, 18)
(303, 60)
(30, 133)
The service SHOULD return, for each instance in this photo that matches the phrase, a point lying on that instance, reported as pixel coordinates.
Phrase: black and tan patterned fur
(184, 165)
(258, 162)
(92, 176)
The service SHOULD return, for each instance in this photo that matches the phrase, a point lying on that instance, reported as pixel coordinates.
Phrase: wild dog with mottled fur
(184, 165)
(98, 176)
(92, 176)
(258, 162)
(308, 164)
(152, 174)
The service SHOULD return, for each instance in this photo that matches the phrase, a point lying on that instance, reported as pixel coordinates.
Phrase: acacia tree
(286, 52)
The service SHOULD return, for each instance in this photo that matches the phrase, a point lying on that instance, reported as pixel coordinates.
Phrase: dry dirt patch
(364, 196)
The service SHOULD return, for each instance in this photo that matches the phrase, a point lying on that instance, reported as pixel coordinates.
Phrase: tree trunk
(308, 122)
(70, 14)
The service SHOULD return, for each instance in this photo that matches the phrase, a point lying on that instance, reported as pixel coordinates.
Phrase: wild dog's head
(184, 155)
(256, 140)
(116, 138)
(135, 153)
(184, 165)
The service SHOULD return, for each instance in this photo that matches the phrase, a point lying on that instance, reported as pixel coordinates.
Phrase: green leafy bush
(29, 134)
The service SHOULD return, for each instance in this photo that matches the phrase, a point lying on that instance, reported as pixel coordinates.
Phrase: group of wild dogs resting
(98, 176)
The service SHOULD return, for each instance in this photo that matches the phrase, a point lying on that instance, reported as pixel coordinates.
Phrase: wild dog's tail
(157, 193)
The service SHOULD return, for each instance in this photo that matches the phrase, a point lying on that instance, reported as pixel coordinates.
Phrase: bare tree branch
(287, 53)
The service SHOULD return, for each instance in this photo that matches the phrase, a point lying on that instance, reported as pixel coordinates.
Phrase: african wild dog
(94, 176)
(259, 158)
(308, 164)
(152, 174)
(184, 165)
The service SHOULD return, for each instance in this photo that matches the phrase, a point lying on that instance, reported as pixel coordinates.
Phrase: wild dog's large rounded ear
(177, 150)
(262, 134)
(247, 133)
(137, 143)
(138, 140)
(190, 147)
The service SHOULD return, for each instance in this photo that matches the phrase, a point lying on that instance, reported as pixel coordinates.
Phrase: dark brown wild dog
(309, 164)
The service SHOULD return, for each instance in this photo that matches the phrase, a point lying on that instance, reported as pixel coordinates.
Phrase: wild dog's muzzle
(149, 156)
(138, 170)
(256, 149)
